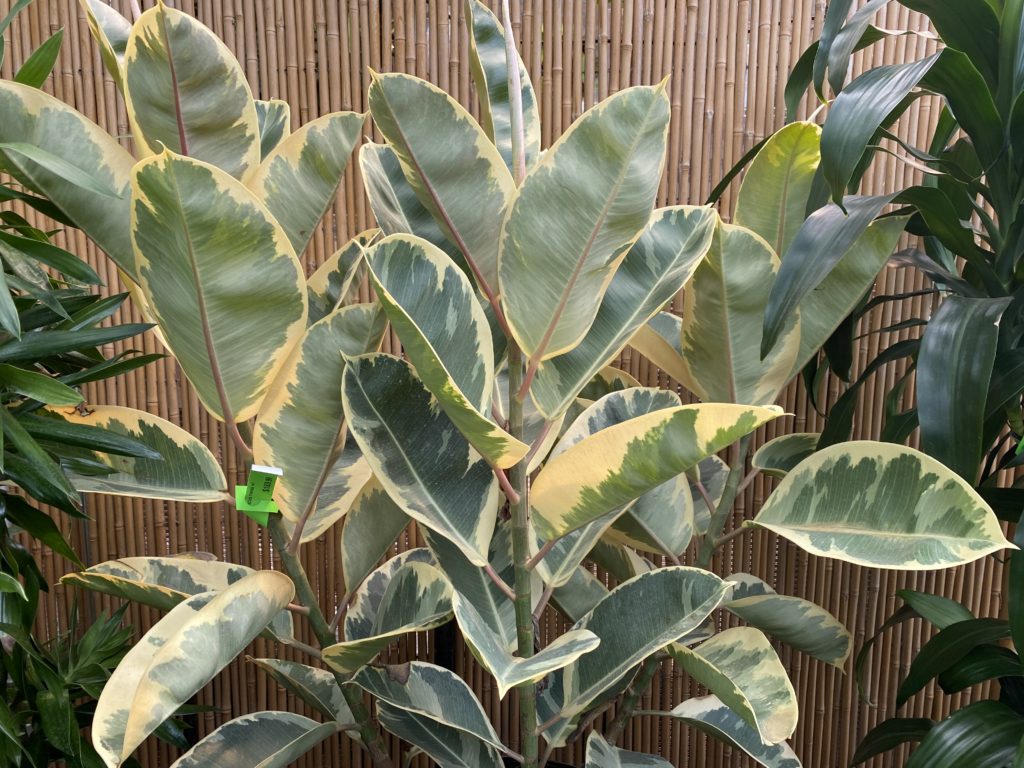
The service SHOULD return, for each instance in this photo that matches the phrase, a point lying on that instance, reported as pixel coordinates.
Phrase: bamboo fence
(728, 60)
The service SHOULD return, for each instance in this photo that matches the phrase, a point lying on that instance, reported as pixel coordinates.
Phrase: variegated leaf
(578, 596)
(185, 471)
(182, 653)
(710, 474)
(404, 595)
(418, 454)
(199, 238)
(36, 118)
(882, 505)
(668, 603)
(772, 200)
(300, 177)
(659, 521)
(555, 726)
(110, 30)
(624, 461)
(317, 687)
(260, 740)
(462, 180)
(186, 92)
(534, 422)
(508, 670)
(779, 456)
(395, 205)
(799, 623)
(489, 65)
(740, 666)
(654, 270)
(447, 746)
(601, 754)
(301, 425)
(274, 117)
(609, 379)
(579, 210)
(659, 342)
(371, 527)
(710, 715)
(621, 563)
(433, 308)
(723, 313)
(336, 282)
(560, 563)
(432, 692)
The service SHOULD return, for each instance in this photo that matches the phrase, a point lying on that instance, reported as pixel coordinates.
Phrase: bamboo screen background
(728, 60)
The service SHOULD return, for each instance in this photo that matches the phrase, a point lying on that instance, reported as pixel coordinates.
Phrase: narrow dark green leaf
(39, 65)
(59, 167)
(39, 525)
(889, 734)
(969, 26)
(986, 662)
(985, 733)
(937, 610)
(85, 436)
(33, 346)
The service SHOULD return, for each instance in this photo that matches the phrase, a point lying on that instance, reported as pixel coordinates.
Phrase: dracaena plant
(512, 277)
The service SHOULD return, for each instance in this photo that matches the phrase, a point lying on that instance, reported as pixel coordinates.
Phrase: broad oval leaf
(418, 454)
(449, 747)
(260, 740)
(299, 178)
(772, 200)
(654, 270)
(882, 505)
(431, 692)
(176, 658)
(659, 521)
(777, 457)
(36, 118)
(710, 715)
(489, 66)
(723, 313)
(372, 525)
(740, 666)
(301, 425)
(184, 471)
(624, 461)
(462, 181)
(601, 754)
(316, 687)
(668, 603)
(201, 242)
(336, 282)
(580, 208)
(433, 308)
(186, 92)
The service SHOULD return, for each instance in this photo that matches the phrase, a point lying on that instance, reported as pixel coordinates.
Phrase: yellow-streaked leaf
(882, 505)
(317, 687)
(260, 740)
(298, 179)
(186, 92)
(219, 276)
(110, 30)
(658, 341)
(274, 117)
(624, 461)
(579, 210)
(301, 425)
(336, 282)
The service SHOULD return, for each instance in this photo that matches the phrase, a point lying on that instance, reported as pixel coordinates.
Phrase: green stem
(708, 542)
(640, 684)
(368, 732)
(520, 480)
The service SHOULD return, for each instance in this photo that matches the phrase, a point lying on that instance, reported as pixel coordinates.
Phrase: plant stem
(368, 732)
(721, 514)
(520, 508)
(640, 684)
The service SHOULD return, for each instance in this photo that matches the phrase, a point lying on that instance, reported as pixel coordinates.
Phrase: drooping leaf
(982, 733)
(777, 457)
(882, 505)
(723, 313)
(462, 181)
(37, 386)
(261, 740)
(889, 734)
(336, 280)
(624, 461)
(489, 66)
(418, 454)
(448, 746)
(301, 429)
(186, 93)
(298, 179)
(654, 270)
(659, 341)
(660, 521)
(274, 117)
(316, 687)
(110, 30)
(710, 715)
(742, 669)
(576, 214)
(601, 754)
(433, 308)
(183, 469)
(199, 237)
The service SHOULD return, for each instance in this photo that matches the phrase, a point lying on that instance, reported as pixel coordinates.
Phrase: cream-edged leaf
(372, 525)
(110, 30)
(259, 740)
(882, 505)
(601, 754)
(185, 91)
(448, 747)
(779, 456)
(274, 118)
(579, 210)
(658, 341)
(298, 180)
(317, 687)
(220, 277)
(336, 282)
(418, 454)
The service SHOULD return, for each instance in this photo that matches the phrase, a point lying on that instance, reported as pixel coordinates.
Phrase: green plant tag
(255, 499)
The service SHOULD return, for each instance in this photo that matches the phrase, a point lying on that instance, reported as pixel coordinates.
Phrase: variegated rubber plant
(512, 277)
